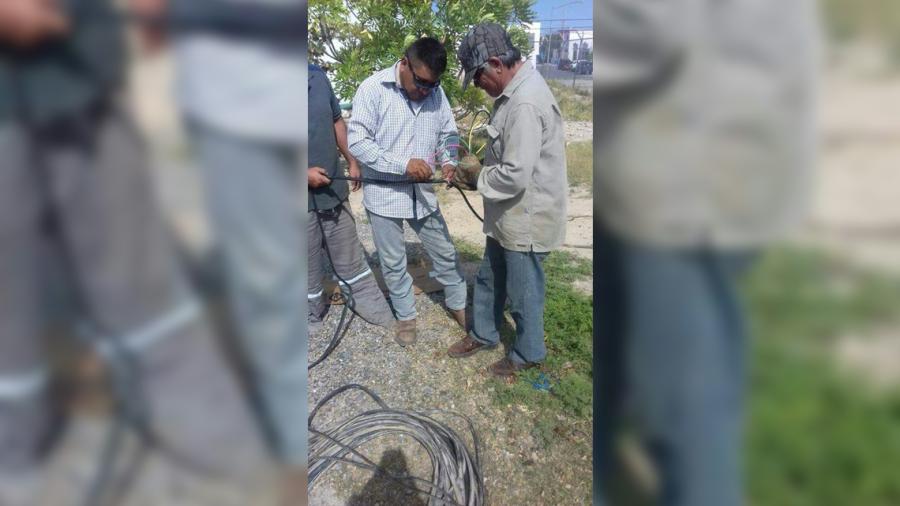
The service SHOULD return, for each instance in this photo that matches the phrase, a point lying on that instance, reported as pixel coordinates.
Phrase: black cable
(450, 184)
(130, 412)
(349, 301)
(466, 199)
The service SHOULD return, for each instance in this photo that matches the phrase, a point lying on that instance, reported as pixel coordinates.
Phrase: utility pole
(564, 11)
(577, 51)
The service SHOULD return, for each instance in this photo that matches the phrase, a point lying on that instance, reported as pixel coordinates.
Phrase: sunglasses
(419, 82)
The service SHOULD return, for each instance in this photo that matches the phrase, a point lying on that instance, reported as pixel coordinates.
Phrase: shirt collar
(392, 75)
(522, 74)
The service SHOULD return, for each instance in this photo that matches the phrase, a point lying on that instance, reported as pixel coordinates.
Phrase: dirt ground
(856, 211)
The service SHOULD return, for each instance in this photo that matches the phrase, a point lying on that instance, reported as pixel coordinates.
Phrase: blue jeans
(258, 220)
(669, 357)
(519, 277)
(432, 231)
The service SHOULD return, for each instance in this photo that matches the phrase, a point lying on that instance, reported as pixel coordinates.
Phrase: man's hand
(151, 14)
(25, 23)
(466, 175)
(418, 170)
(447, 172)
(355, 173)
(317, 177)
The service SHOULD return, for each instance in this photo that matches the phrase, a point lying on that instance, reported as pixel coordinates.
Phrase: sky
(577, 15)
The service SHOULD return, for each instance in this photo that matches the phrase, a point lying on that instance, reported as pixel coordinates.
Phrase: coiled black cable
(456, 471)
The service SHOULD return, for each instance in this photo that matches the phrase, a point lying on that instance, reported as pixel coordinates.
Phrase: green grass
(580, 163)
(816, 436)
(574, 103)
(468, 252)
(875, 20)
(806, 298)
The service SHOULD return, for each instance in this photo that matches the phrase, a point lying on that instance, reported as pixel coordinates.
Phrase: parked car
(564, 64)
(584, 67)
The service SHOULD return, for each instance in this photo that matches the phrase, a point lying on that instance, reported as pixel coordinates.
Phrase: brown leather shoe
(505, 368)
(459, 315)
(467, 346)
(405, 332)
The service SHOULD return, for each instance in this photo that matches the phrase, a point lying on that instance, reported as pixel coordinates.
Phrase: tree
(363, 36)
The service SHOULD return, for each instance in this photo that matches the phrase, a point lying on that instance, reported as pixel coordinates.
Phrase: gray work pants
(346, 251)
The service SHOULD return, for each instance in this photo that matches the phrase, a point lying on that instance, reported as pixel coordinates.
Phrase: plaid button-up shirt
(387, 130)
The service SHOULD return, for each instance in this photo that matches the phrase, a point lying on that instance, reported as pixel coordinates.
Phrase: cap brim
(467, 78)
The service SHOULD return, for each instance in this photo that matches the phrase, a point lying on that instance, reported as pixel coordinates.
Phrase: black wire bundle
(450, 184)
(456, 472)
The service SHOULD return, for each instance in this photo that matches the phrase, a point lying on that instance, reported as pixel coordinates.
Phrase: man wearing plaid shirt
(402, 129)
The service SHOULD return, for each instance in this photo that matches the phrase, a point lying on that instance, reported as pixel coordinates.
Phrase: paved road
(550, 72)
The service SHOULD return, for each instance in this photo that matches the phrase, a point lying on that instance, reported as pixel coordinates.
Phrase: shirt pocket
(425, 134)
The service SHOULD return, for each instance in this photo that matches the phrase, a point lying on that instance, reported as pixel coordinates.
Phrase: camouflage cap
(480, 43)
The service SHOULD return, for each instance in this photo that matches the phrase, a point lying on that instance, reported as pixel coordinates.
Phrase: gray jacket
(704, 119)
(524, 182)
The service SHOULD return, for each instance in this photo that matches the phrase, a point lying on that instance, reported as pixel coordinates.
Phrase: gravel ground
(421, 377)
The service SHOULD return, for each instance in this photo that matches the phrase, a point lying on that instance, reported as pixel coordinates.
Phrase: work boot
(405, 332)
(466, 347)
(506, 368)
(459, 315)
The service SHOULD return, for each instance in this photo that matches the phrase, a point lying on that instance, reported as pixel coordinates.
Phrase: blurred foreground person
(240, 90)
(705, 147)
(73, 178)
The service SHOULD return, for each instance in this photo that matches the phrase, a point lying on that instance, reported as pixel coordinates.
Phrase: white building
(577, 44)
(534, 33)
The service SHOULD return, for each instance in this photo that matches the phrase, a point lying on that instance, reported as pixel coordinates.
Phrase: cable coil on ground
(456, 471)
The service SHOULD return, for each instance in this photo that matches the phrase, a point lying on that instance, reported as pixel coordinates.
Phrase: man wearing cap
(523, 184)
(402, 128)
